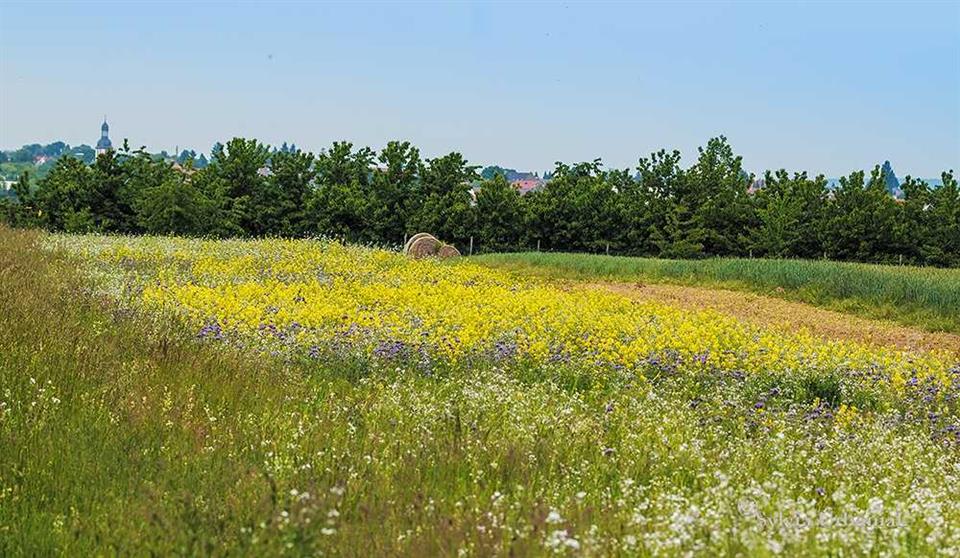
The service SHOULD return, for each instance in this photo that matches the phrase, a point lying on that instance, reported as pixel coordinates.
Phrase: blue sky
(823, 87)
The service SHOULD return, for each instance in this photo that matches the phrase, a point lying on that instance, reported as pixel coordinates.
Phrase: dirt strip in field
(791, 316)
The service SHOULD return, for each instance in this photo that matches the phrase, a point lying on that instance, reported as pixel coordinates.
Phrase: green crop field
(928, 298)
(165, 396)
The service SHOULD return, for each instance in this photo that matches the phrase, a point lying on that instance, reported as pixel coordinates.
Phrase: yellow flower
(303, 294)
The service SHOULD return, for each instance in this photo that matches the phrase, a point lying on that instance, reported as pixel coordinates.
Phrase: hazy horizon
(822, 88)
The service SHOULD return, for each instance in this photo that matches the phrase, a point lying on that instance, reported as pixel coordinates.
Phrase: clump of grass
(928, 298)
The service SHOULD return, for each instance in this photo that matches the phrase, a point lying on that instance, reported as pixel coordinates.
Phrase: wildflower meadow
(311, 397)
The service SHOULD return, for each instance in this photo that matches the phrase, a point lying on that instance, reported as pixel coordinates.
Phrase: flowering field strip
(306, 297)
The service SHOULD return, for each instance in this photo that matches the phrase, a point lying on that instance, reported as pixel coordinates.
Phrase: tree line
(28, 153)
(660, 208)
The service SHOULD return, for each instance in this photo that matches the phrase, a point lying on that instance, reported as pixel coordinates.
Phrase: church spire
(104, 144)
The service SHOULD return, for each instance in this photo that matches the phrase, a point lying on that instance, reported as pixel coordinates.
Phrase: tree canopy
(660, 208)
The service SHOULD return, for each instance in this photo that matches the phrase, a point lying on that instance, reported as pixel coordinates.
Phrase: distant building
(188, 171)
(104, 144)
(525, 185)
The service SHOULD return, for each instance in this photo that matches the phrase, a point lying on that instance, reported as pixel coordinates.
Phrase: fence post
(471, 246)
(608, 248)
(538, 245)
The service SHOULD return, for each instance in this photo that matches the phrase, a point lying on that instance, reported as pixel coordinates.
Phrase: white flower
(556, 538)
(554, 517)
(838, 496)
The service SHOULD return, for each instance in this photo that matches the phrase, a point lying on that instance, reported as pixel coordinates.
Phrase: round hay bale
(448, 251)
(414, 238)
(424, 247)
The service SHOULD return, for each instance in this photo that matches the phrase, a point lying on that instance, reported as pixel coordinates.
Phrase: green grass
(123, 434)
(928, 298)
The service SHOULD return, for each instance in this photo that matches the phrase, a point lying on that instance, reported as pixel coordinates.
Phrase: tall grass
(924, 297)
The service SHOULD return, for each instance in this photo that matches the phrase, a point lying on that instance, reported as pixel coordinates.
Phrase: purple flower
(211, 329)
(557, 356)
(504, 350)
(389, 349)
(667, 362)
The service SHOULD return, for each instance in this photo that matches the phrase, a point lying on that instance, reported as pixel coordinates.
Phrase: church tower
(104, 144)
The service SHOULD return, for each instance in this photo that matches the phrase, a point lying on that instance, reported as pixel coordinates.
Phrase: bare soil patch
(789, 316)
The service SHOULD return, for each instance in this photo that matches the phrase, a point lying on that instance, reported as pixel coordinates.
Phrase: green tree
(716, 191)
(440, 201)
(64, 196)
(17, 208)
(391, 194)
(945, 218)
(337, 206)
(290, 186)
(779, 216)
(682, 234)
(113, 195)
(222, 214)
(576, 210)
(930, 221)
(499, 216)
(238, 182)
(914, 221)
(650, 201)
(860, 222)
(175, 206)
(788, 213)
